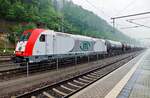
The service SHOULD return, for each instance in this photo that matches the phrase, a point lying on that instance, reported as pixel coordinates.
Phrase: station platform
(132, 80)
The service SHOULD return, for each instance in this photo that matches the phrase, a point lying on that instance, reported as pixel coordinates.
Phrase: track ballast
(70, 86)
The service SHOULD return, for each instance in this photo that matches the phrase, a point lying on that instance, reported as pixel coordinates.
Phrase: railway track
(21, 71)
(18, 72)
(6, 57)
(68, 87)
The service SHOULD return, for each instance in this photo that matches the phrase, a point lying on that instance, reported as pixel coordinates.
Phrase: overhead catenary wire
(141, 18)
(130, 27)
(131, 15)
(138, 24)
(99, 10)
(127, 6)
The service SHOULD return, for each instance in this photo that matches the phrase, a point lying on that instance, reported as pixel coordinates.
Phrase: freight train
(38, 45)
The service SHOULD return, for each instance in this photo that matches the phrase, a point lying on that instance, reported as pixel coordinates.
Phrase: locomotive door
(41, 46)
(49, 44)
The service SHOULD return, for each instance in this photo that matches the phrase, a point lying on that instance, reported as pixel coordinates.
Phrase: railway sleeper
(85, 80)
(79, 82)
(60, 91)
(65, 87)
(75, 85)
(48, 95)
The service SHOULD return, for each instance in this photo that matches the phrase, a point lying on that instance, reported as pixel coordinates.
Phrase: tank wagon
(38, 44)
(113, 46)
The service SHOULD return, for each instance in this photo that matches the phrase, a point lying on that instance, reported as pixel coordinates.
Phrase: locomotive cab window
(42, 38)
(25, 37)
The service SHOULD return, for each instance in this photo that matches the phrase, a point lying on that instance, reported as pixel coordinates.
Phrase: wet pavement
(113, 85)
(139, 84)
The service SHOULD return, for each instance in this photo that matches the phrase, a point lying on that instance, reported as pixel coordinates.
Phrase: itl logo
(85, 45)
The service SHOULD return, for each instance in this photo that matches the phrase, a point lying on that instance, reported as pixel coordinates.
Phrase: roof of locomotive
(61, 34)
(78, 36)
(31, 30)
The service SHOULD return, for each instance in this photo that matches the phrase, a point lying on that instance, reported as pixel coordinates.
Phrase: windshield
(25, 37)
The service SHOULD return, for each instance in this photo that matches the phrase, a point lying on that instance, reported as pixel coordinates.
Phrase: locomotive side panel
(63, 44)
(44, 43)
(100, 46)
(83, 44)
(39, 47)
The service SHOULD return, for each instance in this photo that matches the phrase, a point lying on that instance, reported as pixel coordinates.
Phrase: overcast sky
(111, 8)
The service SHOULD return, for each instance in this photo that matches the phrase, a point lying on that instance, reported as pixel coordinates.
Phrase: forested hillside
(68, 17)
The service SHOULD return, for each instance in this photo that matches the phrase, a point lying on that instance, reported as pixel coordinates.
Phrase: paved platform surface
(139, 84)
(112, 86)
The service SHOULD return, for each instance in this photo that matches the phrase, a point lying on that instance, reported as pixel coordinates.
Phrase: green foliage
(74, 19)
(87, 23)
(17, 31)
